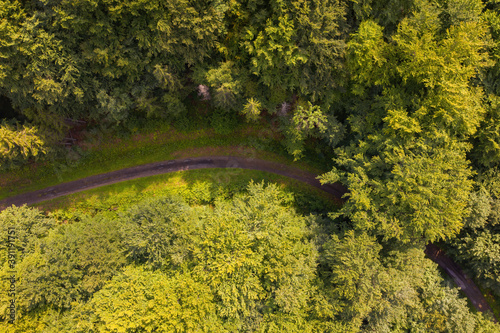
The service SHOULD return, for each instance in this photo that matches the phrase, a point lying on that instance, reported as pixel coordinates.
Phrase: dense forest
(404, 93)
(249, 263)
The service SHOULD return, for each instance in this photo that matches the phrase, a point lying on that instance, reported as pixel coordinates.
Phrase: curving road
(337, 190)
(158, 168)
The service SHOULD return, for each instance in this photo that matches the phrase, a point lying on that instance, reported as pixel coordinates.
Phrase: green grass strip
(195, 186)
(106, 153)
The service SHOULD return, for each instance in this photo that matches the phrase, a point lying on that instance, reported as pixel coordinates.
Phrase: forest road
(468, 287)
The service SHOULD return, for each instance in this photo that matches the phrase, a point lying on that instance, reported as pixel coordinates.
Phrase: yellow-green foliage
(20, 142)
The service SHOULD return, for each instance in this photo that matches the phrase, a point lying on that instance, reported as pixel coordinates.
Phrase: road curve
(158, 168)
(337, 190)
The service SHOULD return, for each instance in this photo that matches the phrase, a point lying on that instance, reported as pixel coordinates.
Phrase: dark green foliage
(387, 13)
(486, 150)
(223, 122)
(100, 59)
(306, 121)
(478, 245)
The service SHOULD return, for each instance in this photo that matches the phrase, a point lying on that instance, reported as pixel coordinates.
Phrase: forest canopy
(250, 263)
(405, 94)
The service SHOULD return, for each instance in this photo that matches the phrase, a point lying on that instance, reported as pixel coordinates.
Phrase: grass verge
(196, 186)
(104, 153)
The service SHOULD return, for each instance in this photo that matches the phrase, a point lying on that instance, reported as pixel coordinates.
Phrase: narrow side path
(469, 288)
(471, 291)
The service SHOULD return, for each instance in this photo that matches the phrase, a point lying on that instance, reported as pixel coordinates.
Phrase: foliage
(407, 192)
(398, 291)
(414, 108)
(226, 87)
(252, 252)
(365, 57)
(405, 93)
(19, 143)
(25, 225)
(308, 121)
(70, 264)
(478, 245)
(248, 263)
(141, 300)
(99, 59)
(252, 109)
(223, 121)
(159, 233)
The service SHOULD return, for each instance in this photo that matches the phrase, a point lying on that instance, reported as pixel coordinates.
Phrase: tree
(284, 48)
(253, 252)
(415, 112)
(256, 256)
(10, 13)
(366, 56)
(160, 233)
(23, 227)
(101, 59)
(151, 301)
(19, 143)
(478, 245)
(392, 288)
(252, 109)
(70, 264)
(26, 225)
(226, 86)
(486, 141)
(406, 192)
(274, 56)
(387, 13)
(306, 121)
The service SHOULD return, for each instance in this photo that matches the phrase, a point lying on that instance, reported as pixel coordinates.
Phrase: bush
(223, 122)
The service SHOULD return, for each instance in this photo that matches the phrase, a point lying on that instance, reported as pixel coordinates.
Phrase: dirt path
(451, 268)
(158, 168)
(462, 281)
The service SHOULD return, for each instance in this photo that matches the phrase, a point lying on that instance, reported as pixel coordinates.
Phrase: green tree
(70, 264)
(282, 48)
(18, 143)
(408, 192)
(387, 13)
(257, 258)
(305, 121)
(486, 150)
(366, 57)
(414, 107)
(252, 109)
(226, 86)
(151, 301)
(160, 233)
(26, 226)
(392, 288)
(478, 245)
(101, 59)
